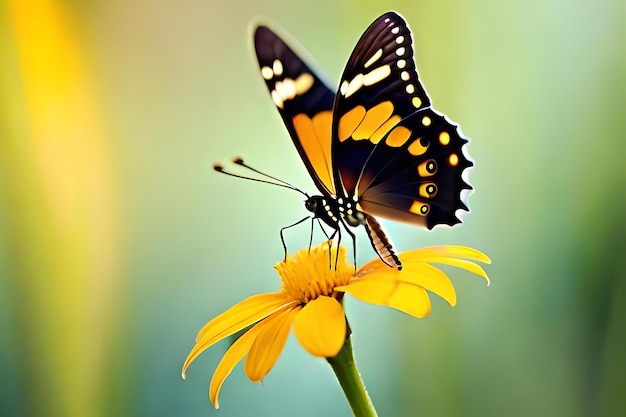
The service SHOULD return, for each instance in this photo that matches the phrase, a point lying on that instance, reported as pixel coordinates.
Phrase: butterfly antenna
(239, 161)
(219, 168)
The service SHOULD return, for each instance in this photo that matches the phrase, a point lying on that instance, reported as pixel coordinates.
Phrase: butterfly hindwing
(304, 102)
(416, 176)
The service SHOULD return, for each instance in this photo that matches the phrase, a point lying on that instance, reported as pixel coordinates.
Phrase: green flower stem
(348, 375)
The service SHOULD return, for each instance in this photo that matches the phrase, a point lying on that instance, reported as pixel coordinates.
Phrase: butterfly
(375, 147)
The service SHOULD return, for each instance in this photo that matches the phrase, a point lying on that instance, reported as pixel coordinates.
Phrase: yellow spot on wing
(350, 121)
(377, 75)
(398, 136)
(374, 58)
(453, 159)
(374, 118)
(304, 83)
(426, 121)
(427, 168)
(428, 190)
(444, 138)
(386, 127)
(417, 102)
(314, 137)
(416, 148)
(419, 208)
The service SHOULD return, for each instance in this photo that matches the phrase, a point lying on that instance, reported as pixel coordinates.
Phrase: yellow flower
(310, 298)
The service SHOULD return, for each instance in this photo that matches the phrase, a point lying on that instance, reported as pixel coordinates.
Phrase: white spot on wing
(401, 63)
(395, 30)
(280, 90)
(289, 87)
(344, 87)
(355, 85)
(405, 76)
(400, 51)
(267, 73)
(410, 88)
(277, 66)
(277, 99)
(399, 39)
(377, 75)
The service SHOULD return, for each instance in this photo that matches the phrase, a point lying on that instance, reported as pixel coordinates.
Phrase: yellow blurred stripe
(60, 197)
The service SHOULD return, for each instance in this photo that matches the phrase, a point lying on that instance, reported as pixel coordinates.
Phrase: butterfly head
(311, 203)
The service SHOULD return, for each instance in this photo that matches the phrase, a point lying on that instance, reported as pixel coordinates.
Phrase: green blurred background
(118, 241)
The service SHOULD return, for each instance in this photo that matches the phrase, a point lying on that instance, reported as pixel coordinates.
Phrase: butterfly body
(375, 146)
(332, 210)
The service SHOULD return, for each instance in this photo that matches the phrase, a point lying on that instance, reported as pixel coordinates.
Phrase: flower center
(310, 274)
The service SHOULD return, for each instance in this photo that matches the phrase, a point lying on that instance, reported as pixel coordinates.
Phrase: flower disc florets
(312, 273)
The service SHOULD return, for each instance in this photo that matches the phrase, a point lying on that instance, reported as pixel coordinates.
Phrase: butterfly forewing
(379, 87)
(304, 102)
(381, 68)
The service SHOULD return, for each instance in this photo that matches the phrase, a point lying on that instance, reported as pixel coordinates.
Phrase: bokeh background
(118, 241)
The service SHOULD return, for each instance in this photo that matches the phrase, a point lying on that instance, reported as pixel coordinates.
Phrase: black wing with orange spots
(304, 102)
(391, 150)
(415, 176)
(377, 142)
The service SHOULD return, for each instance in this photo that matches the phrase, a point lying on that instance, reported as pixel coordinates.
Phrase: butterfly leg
(282, 237)
(323, 230)
(353, 236)
(353, 246)
(330, 245)
(311, 236)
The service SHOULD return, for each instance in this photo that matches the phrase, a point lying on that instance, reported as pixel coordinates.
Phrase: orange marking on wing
(386, 127)
(416, 148)
(374, 118)
(398, 136)
(314, 136)
(350, 121)
(419, 208)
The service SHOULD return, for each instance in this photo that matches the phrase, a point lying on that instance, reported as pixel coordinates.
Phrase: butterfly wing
(416, 176)
(304, 102)
(396, 154)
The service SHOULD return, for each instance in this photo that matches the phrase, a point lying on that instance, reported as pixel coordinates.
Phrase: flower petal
(447, 251)
(251, 310)
(241, 315)
(406, 297)
(413, 272)
(269, 343)
(463, 264)
(321, 327)
(231, 358)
